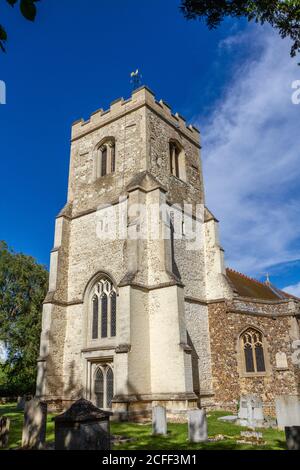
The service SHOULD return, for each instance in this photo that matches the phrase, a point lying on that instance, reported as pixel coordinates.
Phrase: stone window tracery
(104, 386)
(253, 350)
(104, 304)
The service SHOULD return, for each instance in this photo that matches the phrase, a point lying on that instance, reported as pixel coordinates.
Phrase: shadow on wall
(195, 369)
(57, 383)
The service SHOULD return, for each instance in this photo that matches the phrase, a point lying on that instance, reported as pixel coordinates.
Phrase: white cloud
(251, 154)
(293, 290)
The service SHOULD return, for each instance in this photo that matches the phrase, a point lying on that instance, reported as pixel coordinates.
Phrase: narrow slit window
(113, 317)
(104, 161)
(176, 160)
(113, 158)
(104, 316)
(99, 388)
(109, 386)
(95, 318)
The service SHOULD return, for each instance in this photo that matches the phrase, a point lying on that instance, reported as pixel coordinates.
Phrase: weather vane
(136, 79)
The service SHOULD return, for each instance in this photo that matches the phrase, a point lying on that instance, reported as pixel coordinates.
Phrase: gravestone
(4, 431)
(251, 411)
(82, 427)
(287, 410)
(35, 421)
(159, 420)
(292, 435)
(21, 403)
(197, 423)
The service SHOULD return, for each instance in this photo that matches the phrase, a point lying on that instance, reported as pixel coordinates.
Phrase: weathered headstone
(4, 431)
(197, 423)
(243, 409)
(21, 403)
(251, 411)
(35, 421)
(159, 420)
(292, 435)
(82, 427)
(287, 410)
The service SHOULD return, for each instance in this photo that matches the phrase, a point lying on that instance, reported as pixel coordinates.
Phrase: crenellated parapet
(141, 97)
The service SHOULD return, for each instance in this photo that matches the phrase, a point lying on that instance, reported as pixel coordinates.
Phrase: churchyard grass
(16, 424)
(139, 435)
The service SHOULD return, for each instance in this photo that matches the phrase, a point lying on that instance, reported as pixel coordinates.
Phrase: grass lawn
(176, 438)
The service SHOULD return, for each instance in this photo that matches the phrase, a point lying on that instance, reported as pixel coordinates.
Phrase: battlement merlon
(143, 96)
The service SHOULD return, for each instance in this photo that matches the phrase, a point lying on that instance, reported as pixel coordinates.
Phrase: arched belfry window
(106, 158)
(252, 346)
(177, 160)
(103, 309)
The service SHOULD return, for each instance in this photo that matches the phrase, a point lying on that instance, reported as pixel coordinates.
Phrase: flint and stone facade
(177, 315)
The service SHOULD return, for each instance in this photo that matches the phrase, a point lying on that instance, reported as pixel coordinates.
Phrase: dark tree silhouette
(283, 15)
(28, 10)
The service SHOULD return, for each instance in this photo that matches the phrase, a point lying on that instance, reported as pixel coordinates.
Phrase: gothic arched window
(99, 388)
(109, 386)
(177, 163)
(253, 350)
(104, 386)
(95, 319)
(106, 162)
(104, 309)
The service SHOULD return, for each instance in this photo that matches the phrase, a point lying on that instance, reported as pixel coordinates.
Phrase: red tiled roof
(246, 286)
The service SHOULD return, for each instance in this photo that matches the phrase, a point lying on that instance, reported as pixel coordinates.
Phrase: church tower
(136, 257)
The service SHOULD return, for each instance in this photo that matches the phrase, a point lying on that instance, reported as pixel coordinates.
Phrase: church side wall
(229, 380)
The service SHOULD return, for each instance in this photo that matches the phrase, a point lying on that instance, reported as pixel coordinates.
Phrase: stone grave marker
(35, 421)
(4, 431)
(159, 420)
(83, 427)
(21, 403)
(287, 410)
(251, 411)
(197, 423)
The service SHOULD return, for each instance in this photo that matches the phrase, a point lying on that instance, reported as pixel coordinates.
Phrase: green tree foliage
(23, 286)
(283, 15)
(28, 10)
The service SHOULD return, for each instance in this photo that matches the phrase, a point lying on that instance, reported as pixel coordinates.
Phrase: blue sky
(234, 83)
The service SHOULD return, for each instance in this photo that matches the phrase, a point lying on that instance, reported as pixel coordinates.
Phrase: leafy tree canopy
(283, 15)
(28, 10)
(23, 286)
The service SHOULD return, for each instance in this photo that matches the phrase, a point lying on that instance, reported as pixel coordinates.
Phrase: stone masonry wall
(196, 317)
(229, 381)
